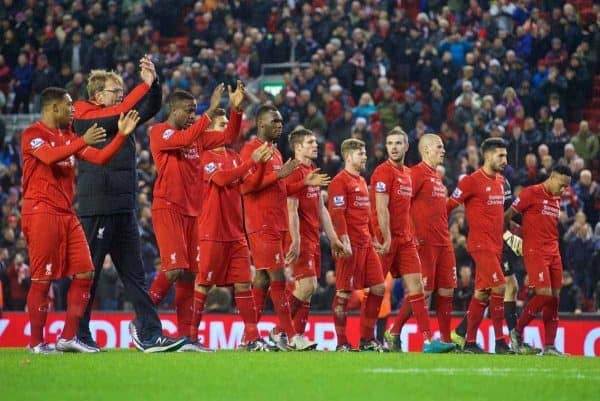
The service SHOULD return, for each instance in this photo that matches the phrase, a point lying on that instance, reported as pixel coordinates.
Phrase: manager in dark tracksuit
(107, 200)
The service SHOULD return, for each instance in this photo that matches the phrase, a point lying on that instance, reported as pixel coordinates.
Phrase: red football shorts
(401, 259)
(267, 249)
(361, 270)
(488, 269)
(308, 263)
(224, 263)
(438, 266)
(177, 237)
(57, 246)
(544, 270)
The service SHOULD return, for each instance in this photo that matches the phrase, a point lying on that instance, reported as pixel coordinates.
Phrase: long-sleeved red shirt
(49, 166)
(177, 155)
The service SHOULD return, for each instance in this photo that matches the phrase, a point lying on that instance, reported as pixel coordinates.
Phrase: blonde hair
(97, 81)
(397, 130)
(350, 145)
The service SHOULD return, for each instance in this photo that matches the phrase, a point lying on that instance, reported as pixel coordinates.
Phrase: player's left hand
(293, 253)
(236, 98)
(315, 178)
(128, 122)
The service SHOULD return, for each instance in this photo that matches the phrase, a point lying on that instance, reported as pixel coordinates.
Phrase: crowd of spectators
(521, 70)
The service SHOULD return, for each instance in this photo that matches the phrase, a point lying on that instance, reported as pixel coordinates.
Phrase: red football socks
(417, 304)
(245, 304)
(259, 295)
(497, 314)
(159, 288)
(443, 306)
(198, 309)
(533, 307)
(282, 307)
(404, 313)
(340, 314)
(37, 307)
(299, 311)
(474, 317)
(77, 300)
(184, 298)
(370, 313)
(550, 318)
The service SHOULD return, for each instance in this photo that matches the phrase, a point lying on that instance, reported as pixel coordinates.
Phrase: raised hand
(317, 179)
(236, 98)
(288, 168)
(215, 99)
(147, 70)
(94, 135)
(128, 122)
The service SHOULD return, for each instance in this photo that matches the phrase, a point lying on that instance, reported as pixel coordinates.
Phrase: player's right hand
(288, 168)
(383, 248)
(293, 253)
(128, 122)
(94, 135)
(262, 154)
(147, 70)
(315, 178)
(215, 98)
(338, 248)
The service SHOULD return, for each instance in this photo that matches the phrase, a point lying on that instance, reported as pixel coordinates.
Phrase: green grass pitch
(232, 376)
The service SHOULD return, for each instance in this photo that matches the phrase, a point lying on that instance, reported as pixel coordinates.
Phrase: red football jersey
(265, 196)
(483, 197)
(177, 155)
(309, 205)
(429, 215)
(540, 211)
(350, 208)
(396, 182)
(221, 218)
(49, 166)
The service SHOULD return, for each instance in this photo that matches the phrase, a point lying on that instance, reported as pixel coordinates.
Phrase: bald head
(431, 149)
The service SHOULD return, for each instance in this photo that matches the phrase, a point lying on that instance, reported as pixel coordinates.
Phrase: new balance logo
(277, 258)
(197, 254)
(174, 258)
(495, 277)
(48, 269)
(209, 276)
(100, 233)
(541, 276)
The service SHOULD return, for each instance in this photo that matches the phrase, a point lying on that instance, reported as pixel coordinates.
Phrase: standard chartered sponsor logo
(361, 201)
(495, 200)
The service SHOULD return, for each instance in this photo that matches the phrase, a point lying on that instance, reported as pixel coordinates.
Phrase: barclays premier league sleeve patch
(210, 168)
(36, 143)
(380, 186)
(338, 201)
(167, 134)
(457, 193)
(516, 201)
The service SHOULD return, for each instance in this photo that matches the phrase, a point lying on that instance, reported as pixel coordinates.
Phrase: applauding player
(540, 207)
(265, 207)
(56, 241)
(306, 210)
(177, 147)
(483, 196)
(393, 188)
(350, 213)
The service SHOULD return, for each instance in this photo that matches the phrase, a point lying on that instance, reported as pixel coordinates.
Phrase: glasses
(114, 91)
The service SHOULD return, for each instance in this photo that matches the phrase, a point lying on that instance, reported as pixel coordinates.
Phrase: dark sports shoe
(345, 348)
(135, 337)
(163, 344)
(258, 345)
(473, 348)
(371, 345)
(503, 349)
(393, 341)
(516, 341)
(90, 342)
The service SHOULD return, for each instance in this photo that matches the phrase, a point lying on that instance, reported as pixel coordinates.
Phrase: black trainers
(371, 345)
(503, 349)
(473, 348)
(89, 341)
(345, 348)
(258, 345)
(163, 344)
